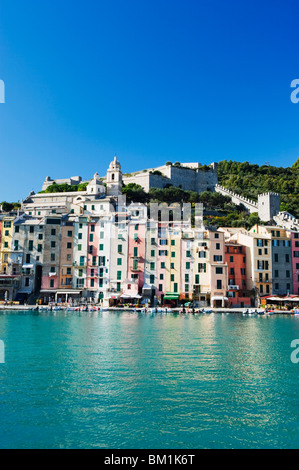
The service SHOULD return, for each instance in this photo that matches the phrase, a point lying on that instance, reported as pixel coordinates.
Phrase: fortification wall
(236, 199)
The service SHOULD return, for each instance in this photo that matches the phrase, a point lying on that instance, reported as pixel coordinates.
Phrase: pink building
(92, 257)
(295, 261)
(136, 257)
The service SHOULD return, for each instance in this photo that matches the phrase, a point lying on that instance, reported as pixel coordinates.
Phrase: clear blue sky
(147, 80)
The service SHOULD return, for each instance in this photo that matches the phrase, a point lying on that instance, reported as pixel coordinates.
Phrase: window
(163, 242)
(6, 233)
(68, 257)
(27, 259)
(90, 249)
(153, 241)
(152, 252)
(276, 257)
(231, 259)
(232, 270)
(52, 269)
(172, 277)
(173, 242)
(79, 247)
(119, 248)
(136, 227)
(31, 229)
(40, 236)
(162, 265)
(69, 245)
(287, 273)
(91, 282)
(80, 236)
(243, 271)
(186, 277)
(220, 270)
(171, 265)
(94, 261)
(69, 233)
(201, 267)
(68, 270)
(173, 254)
(161, 277)
(135, 264)
(152, 279)
(188, 253)
(188, 265)
(216, 235)
(52, 256)
(186, 287)
(135, 251)
(219, 284)
(16, 244)
(119, 261)
(91, 237)
(217, 258)
(101, 247)
(53, 244)
(102, 260)
(53, 232)
(82, 260)
(287, 258)
(217, 246)
(118, 276)
(30, 245)
(101, 235)
(196, 278)
(175, 287)
(160, 287)
(51, 282)
(17, 229)
(152, 266)
(164, 252)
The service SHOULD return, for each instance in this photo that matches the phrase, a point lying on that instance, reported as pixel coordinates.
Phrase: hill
(250, 180)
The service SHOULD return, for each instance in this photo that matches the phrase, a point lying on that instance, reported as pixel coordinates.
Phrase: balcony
(80, 265)
(233, 287)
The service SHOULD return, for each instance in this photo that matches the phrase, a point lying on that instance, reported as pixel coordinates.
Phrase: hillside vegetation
(250, 180)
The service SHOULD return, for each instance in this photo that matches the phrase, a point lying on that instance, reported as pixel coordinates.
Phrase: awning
(171, 296)
(219, 297)
(77, 292)
(27, 266)
(147, 287)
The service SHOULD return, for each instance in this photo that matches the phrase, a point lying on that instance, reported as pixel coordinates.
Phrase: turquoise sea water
(128, 380)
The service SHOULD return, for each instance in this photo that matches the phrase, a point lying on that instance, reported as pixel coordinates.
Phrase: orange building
(235, 258)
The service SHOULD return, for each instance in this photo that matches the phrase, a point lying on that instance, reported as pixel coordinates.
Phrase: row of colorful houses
(124, 257)
(91, 246)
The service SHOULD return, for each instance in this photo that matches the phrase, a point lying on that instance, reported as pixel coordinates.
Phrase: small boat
(246, 311)
(207, 310)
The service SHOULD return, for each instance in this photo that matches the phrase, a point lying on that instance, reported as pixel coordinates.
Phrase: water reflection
(121, 379)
